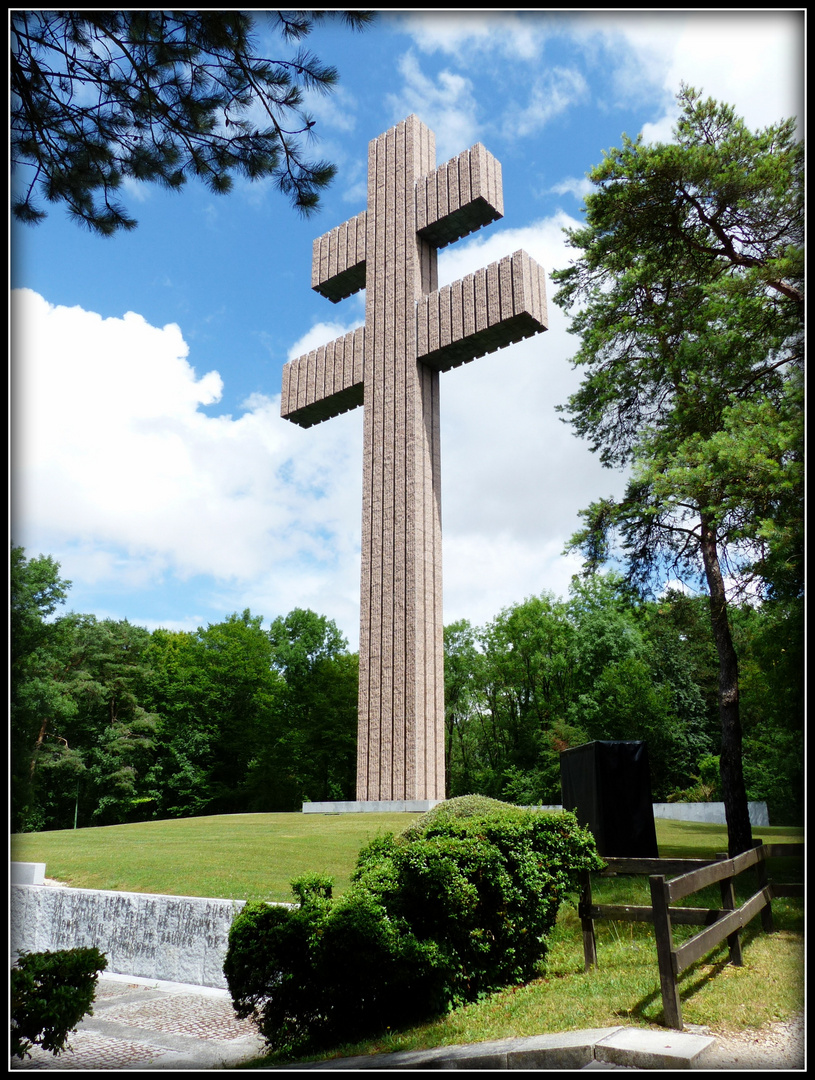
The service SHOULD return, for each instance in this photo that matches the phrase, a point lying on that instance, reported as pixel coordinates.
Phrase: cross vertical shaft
(401, 695)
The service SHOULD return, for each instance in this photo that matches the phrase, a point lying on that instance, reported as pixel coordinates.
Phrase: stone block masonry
(413, 331)
(173, 938)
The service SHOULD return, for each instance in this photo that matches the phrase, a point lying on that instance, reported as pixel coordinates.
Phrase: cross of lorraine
(413, 331)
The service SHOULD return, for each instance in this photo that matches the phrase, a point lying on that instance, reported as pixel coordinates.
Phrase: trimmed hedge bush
(463, 806)
(458, 905)
(50, 993)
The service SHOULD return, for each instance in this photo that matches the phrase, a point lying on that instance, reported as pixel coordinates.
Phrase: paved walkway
(144, 1025)
(141, 1024)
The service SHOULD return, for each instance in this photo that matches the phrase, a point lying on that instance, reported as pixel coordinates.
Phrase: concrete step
(596, 1048)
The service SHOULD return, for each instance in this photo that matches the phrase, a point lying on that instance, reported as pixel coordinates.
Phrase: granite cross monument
(413, 331)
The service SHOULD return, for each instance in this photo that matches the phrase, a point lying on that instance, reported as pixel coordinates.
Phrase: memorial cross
(413, 330)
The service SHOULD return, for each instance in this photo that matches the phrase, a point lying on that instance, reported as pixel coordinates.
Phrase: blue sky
(148, 454)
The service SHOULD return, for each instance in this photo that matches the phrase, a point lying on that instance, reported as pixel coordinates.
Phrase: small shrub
(461, 903)
(50, 993)
(705, 787)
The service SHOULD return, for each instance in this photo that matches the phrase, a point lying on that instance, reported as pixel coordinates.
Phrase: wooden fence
(719, 923)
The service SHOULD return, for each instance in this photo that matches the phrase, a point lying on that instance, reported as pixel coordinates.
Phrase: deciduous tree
(313, 754)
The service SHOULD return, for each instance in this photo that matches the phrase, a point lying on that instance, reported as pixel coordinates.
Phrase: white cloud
(447, 106)
(742, 58)
(580, 187)
(750, 59)
(508, 571)
(550, 94)
(460, 34)
(320, 334)
(514, 476)
(114, 461)
(116, 464)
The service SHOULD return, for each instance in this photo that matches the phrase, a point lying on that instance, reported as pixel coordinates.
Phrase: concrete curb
(617, 1047)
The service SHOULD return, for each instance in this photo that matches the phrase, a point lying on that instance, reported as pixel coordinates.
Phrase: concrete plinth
(27, 873)
(371, 806)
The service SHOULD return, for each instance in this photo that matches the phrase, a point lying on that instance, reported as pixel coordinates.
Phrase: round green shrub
(50, 993)
(458, 905)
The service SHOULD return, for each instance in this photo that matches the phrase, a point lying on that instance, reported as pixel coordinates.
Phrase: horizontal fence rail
(692, 875)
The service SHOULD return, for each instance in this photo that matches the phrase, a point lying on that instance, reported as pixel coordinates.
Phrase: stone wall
(710, 812)
(173, 938)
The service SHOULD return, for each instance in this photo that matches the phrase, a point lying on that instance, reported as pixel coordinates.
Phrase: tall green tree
(687, 296)
(770, 639)
(112, 733)
(40, 669)
(463, 707)
(529, 674)
(545, 675)
(218, 699)
(312, 756)
(81, 738)
(98, 97)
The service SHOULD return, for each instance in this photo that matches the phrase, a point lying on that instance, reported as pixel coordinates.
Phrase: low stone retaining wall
(710, 812)
(396, 806)
(174, 938)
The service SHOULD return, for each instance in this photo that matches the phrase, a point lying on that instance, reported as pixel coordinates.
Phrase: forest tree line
(113, 723)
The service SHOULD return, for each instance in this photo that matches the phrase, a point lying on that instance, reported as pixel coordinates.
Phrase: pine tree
(98, 97)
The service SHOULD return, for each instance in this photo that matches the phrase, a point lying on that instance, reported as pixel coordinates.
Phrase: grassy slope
(236, 857)
(255, 856)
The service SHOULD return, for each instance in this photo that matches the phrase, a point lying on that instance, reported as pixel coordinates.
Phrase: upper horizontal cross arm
(459, 197)
(338, 260)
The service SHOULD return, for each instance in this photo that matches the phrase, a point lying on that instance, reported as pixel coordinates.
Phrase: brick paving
(138, 1024)
(89, 1050)
(181, 1014)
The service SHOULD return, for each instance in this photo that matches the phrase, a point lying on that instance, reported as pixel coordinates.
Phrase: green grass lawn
(232, 856)
(255, 856)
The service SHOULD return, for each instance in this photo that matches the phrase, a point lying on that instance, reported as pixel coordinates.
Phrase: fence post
(586, 921)
(767, 924)
(671, 1006)
(729, 904)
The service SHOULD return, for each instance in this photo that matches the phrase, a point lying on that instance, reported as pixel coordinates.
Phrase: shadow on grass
(694, 979)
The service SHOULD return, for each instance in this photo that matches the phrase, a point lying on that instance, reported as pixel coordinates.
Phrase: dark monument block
(608, 785)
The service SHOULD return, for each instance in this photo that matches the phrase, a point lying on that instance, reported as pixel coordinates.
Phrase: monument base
(384, 806)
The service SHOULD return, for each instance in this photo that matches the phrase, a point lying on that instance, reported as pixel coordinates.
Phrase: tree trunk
(739, 833)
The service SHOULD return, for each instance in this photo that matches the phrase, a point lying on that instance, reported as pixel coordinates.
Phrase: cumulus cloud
(114, 460)
(549, 95)
(447, 105)
(753, 59)
(514, 476)
(119, 472)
